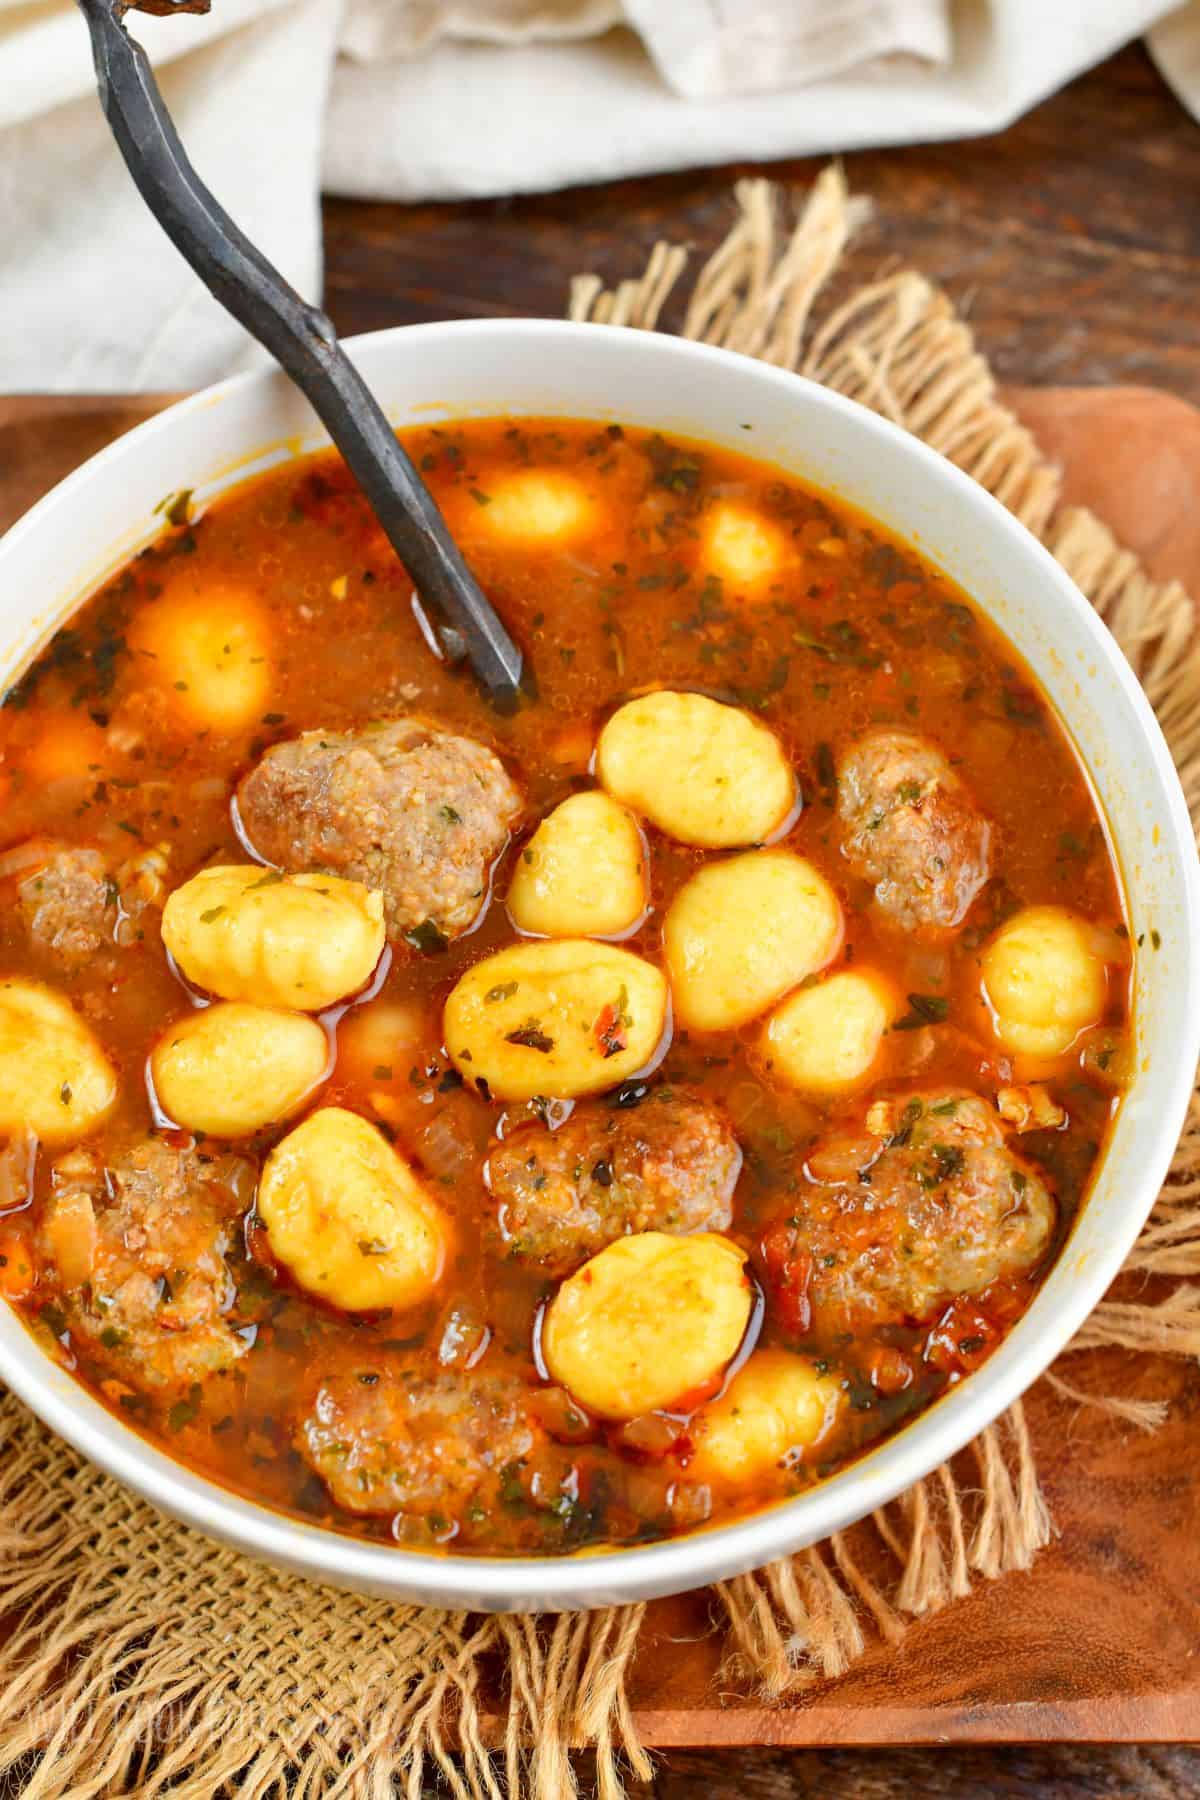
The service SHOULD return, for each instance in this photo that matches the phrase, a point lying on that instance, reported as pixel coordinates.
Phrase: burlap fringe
(145, 1661)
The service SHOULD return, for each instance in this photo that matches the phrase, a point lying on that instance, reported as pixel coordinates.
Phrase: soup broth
(518, 1134)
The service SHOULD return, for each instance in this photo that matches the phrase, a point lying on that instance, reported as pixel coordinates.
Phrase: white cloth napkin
(443, 99)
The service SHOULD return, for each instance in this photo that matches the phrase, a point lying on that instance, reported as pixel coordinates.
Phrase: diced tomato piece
(790, 1273)
(890, 1370)
(18, 1272)
(962, 1338)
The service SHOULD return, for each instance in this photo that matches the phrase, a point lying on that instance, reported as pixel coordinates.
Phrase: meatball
(139, 1252)
(69, 904)
(76, 907)
(922, 1202)
(405, 807)
(443, 1448)
(670, 1164)
(912, 828)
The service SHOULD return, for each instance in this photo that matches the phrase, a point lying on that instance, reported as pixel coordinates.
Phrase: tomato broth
(875, 1262)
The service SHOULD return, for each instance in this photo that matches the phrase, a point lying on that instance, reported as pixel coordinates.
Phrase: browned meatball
(443, 1448)
(69, 903)
(77, 905)
(919, 1203)
(670, 1164)
(138, 1253)
(912, 828)
(405, 807)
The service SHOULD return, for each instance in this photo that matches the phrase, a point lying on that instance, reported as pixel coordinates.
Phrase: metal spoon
(301, 339)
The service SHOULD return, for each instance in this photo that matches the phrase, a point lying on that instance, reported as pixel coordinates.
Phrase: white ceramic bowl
(105, 511)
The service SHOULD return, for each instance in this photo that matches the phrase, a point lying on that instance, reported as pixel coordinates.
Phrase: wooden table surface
(1073, 240)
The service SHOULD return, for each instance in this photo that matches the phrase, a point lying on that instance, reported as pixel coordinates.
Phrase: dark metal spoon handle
(301, 339)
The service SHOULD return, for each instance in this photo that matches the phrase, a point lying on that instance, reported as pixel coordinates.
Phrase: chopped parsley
(427, 939)
(924, 1009)
(530, 1036)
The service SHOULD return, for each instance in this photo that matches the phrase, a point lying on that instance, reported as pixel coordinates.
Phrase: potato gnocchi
(705, 773)
(348, 1216)
(380, 1035)
(582, 873)
(566, 1018)
(233, 1068)
(1043, 981)
(826, 1038)
(55, 1080)
(742, 548)
(536, 507)
(208, 650)
(301, 941)
(777, 1409)
(743, 932)
(647, 1322)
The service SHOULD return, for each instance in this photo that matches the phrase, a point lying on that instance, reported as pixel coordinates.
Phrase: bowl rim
(671, 1565)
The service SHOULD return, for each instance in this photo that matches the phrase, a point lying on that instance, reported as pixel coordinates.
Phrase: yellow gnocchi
(826, 1039)
(76, 751)
(299, 941)
(647, 1321)
(537, 506)
(559, 1018)
(377, 1036)
(741, 933)
(774, 1411)
(583, 872)
(233, 1068)
(348, 1216)
(209, 650)
(705, 773)
(1043, 981)
(740, 547)
(55, 1080)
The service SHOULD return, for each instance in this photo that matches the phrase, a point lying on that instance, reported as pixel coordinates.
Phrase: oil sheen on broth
(518, 1134)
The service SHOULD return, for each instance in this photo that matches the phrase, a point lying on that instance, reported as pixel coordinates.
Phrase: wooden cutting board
(1100, 1642)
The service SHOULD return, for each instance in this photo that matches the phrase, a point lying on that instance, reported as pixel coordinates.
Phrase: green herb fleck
(427, 939)
(925, 1009)
(176, 509)
(185, 1410)
(530, 1036)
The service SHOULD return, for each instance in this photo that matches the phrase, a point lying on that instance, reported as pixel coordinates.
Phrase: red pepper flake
(609, 1032)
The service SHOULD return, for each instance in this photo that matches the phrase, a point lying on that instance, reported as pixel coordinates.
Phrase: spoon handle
(302, 340)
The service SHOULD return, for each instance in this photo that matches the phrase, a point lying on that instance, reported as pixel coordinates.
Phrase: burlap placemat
(144, 1660)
